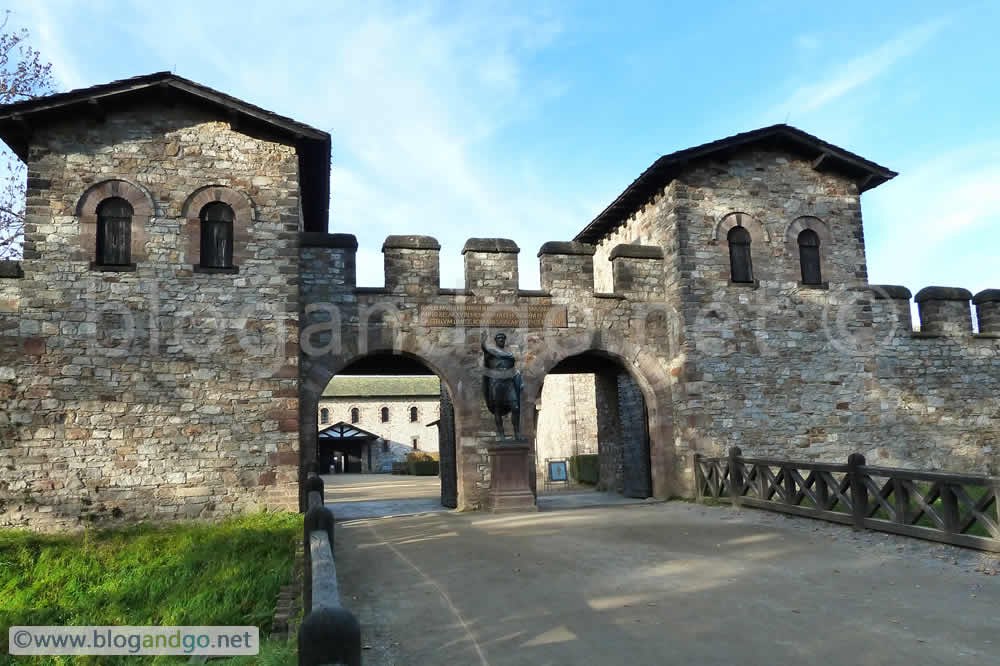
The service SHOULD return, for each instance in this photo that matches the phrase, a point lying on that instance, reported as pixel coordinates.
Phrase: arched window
(355, 415)
(415, 441)
(413, 414)
(217, 235)
(741, 270)
(324, 416)
(114, 232)
(385, 415)
(809, 257)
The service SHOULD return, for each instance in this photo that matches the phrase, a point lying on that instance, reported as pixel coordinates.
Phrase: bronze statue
(502, 384)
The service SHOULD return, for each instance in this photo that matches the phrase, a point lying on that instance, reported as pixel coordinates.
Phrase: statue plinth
(510, 476)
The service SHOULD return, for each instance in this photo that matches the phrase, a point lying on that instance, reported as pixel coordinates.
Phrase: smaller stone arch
(143, 209)
(241, 203)
(800, 224)
(244, 213)
(740, 219)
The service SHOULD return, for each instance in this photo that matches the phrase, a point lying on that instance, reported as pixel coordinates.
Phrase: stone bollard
(330, 636)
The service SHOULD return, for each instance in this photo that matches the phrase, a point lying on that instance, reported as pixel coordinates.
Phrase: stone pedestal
(510, 477)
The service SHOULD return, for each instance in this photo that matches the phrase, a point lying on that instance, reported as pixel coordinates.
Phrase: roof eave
(826, 157)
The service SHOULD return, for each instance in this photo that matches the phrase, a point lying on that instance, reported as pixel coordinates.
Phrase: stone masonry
(161, 389)
(152, 391)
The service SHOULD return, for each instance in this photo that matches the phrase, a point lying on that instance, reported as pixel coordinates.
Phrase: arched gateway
(148, 370)
(442, 329)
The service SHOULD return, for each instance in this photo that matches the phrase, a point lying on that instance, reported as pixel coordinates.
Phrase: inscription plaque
(494, 315)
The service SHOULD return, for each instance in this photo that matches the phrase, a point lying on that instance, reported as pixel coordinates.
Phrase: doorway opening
(391, 428)
(591, 413)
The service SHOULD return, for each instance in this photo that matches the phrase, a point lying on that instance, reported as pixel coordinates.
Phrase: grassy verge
(226, 573)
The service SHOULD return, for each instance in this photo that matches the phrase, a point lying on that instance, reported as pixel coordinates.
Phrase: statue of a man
(502, 384)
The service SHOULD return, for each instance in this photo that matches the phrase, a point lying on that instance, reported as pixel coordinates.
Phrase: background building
(397, 410)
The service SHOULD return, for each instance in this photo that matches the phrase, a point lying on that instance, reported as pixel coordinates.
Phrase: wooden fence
(963, 510)
(329, 634)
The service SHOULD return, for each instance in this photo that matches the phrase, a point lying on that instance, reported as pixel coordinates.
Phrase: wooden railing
(329, 634)
(963, 510)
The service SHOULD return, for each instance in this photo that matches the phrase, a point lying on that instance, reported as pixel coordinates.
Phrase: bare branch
(23, 76)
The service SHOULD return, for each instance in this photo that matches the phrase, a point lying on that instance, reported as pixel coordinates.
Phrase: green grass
(226, 573)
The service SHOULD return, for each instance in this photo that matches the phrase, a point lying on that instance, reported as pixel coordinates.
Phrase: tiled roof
(382, 386)
(828, 156)
(19, 120)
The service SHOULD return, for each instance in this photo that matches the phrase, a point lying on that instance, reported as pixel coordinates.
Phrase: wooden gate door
(447, 453)
(638, 479)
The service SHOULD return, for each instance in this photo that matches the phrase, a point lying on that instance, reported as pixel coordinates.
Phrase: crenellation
(987, 304)
(567, 268)
(491, 268)
(637, 271)
(944, 311)
(895, 299)
(412, 264)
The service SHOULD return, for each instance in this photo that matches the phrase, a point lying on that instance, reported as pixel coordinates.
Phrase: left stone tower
(148, 341)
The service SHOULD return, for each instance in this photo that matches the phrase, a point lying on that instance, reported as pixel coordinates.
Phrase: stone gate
(722, 299)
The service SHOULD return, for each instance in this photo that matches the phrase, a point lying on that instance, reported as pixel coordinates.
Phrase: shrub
(585, 468)
(420, 456)
(423, 467)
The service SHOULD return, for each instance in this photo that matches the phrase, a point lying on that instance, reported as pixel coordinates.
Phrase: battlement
(987, 304)
(412, 264)
(944, 311)
(413, 267)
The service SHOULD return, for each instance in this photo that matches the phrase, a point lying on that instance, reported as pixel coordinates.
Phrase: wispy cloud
(858, 71)
(943, 213)
(47, 39)
(415, 96)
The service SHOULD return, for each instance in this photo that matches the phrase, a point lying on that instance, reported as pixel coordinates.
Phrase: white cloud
(414, 95)
(939, 221)
(47, 39)
(856, 72)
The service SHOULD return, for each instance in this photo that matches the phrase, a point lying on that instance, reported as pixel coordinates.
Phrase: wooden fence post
(735, 477)
(949, 508)
(859, 492)
(699, 491)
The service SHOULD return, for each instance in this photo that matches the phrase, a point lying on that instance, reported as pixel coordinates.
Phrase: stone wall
(158, 392)
(343, 323)
(814, 371)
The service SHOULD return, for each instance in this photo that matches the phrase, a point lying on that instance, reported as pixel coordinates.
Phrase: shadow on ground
(651, 584)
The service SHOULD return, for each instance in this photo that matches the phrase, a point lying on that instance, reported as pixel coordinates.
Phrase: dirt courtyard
(672, 583)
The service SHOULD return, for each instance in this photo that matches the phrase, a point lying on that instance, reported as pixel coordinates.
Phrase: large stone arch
(651, 378)
(316, 372)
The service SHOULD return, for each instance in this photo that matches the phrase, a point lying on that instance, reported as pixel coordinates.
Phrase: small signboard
(558, 471)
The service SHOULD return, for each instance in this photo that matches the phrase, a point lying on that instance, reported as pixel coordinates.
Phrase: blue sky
(524, 120)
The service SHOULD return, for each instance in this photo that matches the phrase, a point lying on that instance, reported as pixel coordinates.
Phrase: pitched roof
(376, 386)
(313, 145)
(825, 156)
(342, 431)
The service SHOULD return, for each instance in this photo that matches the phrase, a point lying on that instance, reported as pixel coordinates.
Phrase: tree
(23, 75)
